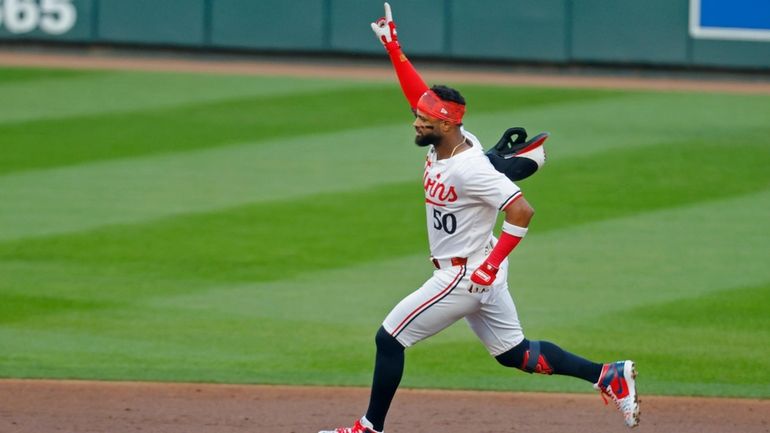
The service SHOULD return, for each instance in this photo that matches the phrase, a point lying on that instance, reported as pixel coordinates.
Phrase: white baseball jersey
(463, 195)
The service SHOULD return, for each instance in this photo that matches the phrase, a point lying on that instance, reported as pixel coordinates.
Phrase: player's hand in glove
(510, 237)
(485, 274)
(385, 30)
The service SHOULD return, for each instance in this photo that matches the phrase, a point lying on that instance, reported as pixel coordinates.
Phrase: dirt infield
(116, 407)
(36, 406)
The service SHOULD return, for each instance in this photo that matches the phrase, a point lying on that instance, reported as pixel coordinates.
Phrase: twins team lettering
(437, 190)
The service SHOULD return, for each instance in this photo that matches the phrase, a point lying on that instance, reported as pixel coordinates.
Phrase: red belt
(454, 261)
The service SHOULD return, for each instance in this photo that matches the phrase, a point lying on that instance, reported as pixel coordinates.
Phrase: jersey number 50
(444, 221)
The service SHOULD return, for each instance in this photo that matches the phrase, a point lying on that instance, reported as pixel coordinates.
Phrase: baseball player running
(463, 194)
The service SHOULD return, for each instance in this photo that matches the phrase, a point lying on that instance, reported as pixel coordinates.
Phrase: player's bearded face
(426, 136)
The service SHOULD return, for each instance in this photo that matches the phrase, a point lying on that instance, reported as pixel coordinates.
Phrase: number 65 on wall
(51, 16)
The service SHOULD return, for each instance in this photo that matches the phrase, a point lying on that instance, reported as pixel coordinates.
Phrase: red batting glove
(485, 274)
(385, 30)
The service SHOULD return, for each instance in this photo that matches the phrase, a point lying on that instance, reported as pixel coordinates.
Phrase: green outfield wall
(682, 33)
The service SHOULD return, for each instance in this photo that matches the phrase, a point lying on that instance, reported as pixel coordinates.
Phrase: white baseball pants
(449, 296)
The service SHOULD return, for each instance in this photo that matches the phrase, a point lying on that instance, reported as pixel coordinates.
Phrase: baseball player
(463, 194)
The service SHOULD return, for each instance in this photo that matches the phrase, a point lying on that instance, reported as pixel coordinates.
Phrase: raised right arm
(411, 83)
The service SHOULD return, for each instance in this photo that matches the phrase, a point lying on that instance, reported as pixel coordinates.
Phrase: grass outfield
(181, 227)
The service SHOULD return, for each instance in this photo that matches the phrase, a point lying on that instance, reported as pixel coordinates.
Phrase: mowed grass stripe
(268, 243)
(566, 195)
(569, 191)
(656, 336)
(653, 257)
(260, 242)
(139, 190)
(16, 307)
(42, 94)
(70, 141)
(635, 120)
(251, 118)
(671, 258)
(636, 180)
(147, 344)
(663, 255)
(731, 323)
(57, 282)
(303, 317)
(10, 76)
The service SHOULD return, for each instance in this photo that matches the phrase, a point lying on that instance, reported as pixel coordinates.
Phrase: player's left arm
(518, 214)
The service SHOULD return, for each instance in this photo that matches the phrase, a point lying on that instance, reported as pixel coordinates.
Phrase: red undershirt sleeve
(411, 83)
